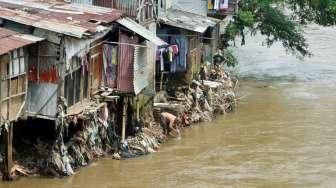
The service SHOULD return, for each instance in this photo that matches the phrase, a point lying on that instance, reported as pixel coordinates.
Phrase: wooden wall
(13, 89)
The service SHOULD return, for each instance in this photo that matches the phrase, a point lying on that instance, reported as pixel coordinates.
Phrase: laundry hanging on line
(219, 5)
(177, 62)
(166, 54)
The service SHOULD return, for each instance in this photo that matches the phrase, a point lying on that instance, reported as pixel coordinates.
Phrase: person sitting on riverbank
(170, 123)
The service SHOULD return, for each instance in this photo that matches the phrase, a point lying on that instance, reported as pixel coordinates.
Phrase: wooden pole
(137, 108)
(124, 119)
(161, 81)
(8, 162)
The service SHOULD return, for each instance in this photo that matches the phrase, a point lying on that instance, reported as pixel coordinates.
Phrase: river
(282, 135)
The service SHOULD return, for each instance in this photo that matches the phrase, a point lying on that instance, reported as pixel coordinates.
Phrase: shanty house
(185, 26)
(125, 64)
(14, 57)
(61, 65)
(142, 12)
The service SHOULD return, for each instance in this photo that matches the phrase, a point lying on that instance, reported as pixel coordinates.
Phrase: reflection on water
(283, 134)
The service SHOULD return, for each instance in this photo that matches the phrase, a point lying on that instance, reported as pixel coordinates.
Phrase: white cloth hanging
(224, 4)
(216, 5)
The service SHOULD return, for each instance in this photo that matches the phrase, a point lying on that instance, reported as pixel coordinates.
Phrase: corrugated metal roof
(141, 30)
(70, 19)
(11, 40)
(193, 6)
(30, 37)
(187, 20)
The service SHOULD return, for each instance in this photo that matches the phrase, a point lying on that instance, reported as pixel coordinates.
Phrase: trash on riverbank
(200, 102)
(94, 129)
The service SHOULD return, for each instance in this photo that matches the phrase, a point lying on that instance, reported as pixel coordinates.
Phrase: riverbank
(79, 141)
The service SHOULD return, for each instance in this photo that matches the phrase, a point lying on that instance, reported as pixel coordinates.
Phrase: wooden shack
(14, 57)
(61, 65)
(185, 31)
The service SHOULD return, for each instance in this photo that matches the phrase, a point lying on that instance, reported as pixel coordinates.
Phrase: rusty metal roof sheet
(141, 30)
(70, 19)
(187, 20)
(11, 40)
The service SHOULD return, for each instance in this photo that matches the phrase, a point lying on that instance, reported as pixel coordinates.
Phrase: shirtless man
(169, 121)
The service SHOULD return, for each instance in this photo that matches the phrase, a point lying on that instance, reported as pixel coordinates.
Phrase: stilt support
(124, 119)
(8, 161)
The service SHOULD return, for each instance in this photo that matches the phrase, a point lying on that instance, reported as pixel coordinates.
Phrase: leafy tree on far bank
(281, 21)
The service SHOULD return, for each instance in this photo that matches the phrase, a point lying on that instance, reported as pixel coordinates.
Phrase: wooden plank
(16, 105)
(14, 86)
(111, 98)
(13, 96)
(9, 89)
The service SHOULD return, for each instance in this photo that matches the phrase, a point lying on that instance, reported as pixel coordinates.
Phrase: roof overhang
(141, 30)
(188, 21)
(69, 19)
(11, 40)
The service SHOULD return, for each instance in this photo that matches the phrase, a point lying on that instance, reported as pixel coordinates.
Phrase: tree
(281, 21)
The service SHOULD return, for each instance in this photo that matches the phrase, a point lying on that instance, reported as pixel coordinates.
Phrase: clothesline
(129, 44)
(186, 36)
(108, 42)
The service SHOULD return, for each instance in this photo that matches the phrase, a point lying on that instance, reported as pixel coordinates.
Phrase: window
(16, 65)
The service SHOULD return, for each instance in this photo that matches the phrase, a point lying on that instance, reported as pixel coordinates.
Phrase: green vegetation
(230, 60)
(281, 21)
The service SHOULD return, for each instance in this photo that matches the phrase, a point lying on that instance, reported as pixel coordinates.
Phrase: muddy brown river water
(282, 135)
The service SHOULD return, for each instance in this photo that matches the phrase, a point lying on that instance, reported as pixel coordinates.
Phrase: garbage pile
(146, 141)
(202, 100)
(93, 139)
